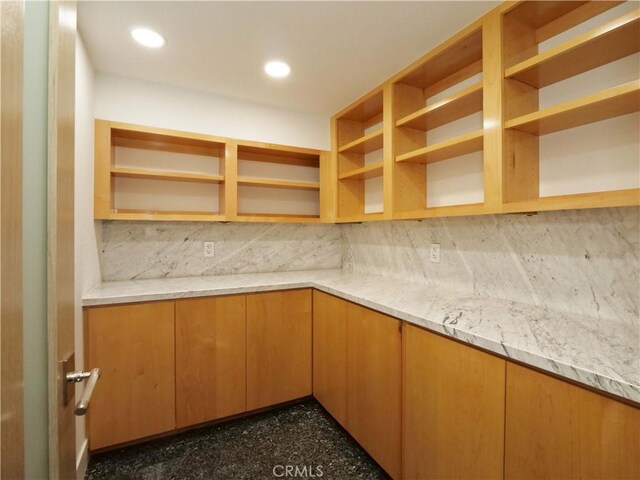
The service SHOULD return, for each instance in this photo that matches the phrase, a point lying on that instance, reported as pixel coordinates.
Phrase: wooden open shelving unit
(447, 70)
(109, 136)
(526, 71)
(504, 46)
(271, 155)
(495, 67)
(358, 130)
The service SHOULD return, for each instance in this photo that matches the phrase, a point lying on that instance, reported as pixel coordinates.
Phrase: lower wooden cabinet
(210, 358)
(373, 385)
(330, 354)
(423, 406)
(558, 430)
(135, 396)
(278, 347)
(453, 409)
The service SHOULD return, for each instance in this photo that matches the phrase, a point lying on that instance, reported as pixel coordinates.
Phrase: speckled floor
(258, 447)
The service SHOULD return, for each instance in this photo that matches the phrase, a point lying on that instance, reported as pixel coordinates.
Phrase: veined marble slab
(147, 250)
(582, 261)
(601, 354)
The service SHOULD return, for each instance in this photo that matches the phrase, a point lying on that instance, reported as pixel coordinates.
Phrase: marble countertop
(601, 354)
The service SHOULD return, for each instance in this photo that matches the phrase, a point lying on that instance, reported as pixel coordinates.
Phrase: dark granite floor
(301, 435)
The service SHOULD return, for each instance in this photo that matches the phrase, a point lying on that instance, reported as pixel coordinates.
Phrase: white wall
(87, 267)
(150, 104)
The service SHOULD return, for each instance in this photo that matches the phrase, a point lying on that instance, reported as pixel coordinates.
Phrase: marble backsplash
(581, 261)
(142, 250)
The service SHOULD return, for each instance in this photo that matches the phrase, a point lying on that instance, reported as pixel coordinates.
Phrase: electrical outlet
(435, 253)
(208, 249)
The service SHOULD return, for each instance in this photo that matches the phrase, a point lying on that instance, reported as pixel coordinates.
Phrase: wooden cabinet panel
(330, 354)
(135, 396)
(453, 409)
(210, 358)
(278, 347)
(557, 430)
(373, 384)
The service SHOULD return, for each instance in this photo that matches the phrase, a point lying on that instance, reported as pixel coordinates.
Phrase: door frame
(11, 315)
(60, 233)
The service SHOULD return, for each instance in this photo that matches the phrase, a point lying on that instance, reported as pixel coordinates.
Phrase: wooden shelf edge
(276, 218)
(165, 175)
(265, 182)
(463, 103)
(369, 171)
(527, 71)
(363, 217)
(461, 145)
(166, 216)
(609, 103)
(365, 144)
(615, 198)
(445, 211)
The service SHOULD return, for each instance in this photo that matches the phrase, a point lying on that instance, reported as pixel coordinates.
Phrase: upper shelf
(165, 175)
(266, 152)
(599, 46)
(366, 144)
(144, 138)
(463, 55)
(266, 182)
(370, 107)
(452, 108)
(609, 103)
(461, 145)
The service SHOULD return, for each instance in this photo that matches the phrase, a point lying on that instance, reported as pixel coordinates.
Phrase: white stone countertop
(601, 354)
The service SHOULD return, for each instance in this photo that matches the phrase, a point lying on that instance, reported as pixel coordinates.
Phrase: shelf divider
(461, 145)
(602, 105)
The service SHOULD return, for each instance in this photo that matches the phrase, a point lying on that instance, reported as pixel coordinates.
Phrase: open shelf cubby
(359, 148)
(144, 173)
(278, 183)
(568, 65)
(437, 117)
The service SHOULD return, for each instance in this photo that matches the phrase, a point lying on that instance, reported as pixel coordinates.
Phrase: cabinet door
(210, 359)
(278, 347)
(330, 354)
(135, 396)
(557, 430)
(453, 409)
(373, 384)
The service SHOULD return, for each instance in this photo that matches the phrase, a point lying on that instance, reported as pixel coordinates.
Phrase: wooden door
(373, 384)
(330, 354)
(11, 310)
(134, 347)
(278, 347)
(453, 409)
(60, 223)
(558, 430)
(210, 359)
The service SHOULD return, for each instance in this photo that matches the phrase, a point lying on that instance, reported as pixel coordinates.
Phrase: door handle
(79, 376)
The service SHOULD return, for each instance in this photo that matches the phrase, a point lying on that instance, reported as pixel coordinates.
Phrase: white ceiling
(337, 50)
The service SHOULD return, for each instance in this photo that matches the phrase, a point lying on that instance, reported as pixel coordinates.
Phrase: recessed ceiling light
(277, 69)
(147, 37)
